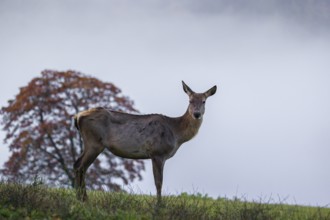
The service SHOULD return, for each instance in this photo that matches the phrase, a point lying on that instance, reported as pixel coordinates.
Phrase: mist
(266, 131)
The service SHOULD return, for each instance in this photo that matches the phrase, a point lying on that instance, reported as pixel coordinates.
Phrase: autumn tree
(42, 140)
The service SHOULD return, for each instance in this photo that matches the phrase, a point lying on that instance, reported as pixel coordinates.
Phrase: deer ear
(186, 89)
(211, 91)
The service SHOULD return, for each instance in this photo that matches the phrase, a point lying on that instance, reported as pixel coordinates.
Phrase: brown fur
(156, 137)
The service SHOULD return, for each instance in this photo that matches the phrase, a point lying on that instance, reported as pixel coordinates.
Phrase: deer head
(197, 101)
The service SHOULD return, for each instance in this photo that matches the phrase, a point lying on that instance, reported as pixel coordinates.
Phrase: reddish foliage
(43, 142)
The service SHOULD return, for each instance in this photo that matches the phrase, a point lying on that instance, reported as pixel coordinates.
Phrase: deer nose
(197, 115)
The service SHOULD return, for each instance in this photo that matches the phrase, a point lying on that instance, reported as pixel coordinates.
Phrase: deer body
(156, 137)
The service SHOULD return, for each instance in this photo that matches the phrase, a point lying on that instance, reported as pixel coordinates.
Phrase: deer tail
(76, 121)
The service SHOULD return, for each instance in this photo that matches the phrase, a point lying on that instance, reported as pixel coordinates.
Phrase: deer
(154, 136)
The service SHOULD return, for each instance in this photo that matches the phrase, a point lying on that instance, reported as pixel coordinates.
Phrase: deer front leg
(157, 167)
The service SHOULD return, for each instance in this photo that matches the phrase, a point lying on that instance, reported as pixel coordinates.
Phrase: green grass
(37, 201)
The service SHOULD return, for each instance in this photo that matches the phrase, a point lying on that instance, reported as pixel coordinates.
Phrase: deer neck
(187, 127)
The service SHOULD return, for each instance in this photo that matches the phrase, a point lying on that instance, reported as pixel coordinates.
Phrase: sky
(265, 132)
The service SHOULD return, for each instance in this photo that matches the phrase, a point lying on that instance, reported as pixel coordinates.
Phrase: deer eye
(204, 102)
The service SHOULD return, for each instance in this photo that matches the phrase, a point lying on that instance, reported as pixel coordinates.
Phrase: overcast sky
(266, 131)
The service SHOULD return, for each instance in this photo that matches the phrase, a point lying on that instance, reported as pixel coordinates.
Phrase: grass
(36, 201)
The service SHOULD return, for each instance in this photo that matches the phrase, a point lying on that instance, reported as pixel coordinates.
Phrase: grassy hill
(37, 201)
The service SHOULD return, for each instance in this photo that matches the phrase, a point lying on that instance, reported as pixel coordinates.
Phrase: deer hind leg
(80, 167)
(79, 178)
(158, 167)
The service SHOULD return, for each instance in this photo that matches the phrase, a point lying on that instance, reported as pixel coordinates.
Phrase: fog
(266, 131)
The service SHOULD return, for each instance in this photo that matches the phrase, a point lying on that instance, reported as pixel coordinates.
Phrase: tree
(43, 141)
